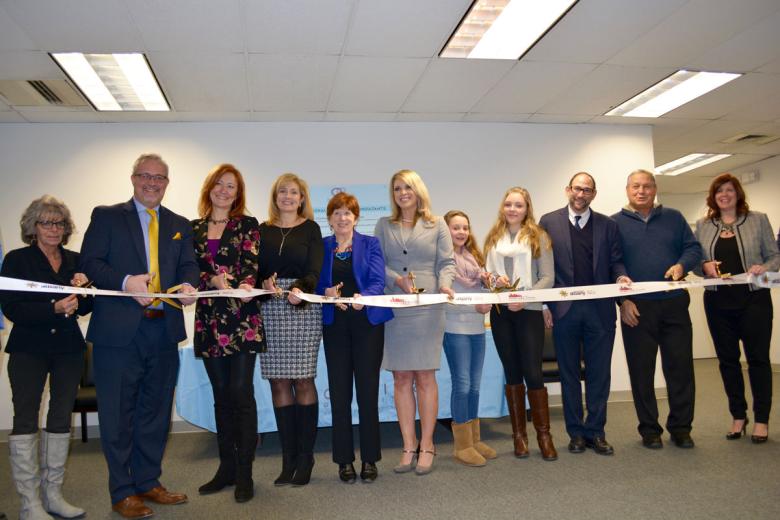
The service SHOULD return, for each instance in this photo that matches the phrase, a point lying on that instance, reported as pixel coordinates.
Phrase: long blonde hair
(529, 230)
(412, 178)
(304, 210)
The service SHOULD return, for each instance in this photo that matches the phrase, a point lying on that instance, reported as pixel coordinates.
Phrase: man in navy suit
(136, 358)
(587, 251)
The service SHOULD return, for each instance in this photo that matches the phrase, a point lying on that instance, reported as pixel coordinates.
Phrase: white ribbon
(585, 292)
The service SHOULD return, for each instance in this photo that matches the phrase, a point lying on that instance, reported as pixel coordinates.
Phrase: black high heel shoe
(759, 439)
(732, 436)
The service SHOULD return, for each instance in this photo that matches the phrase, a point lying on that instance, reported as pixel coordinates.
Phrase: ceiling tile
(11, 117)
(189, 25)
(595, 30)
(484, 117)
(558, 118)
(12, 37)
(530, 85)
(750, 49)
(696, 27)
(26, 65)
(291, 83)
(374, 84)
(604, 88)
(360, 116)
(60, 115)
(209, 117)
(403, 28)
(85, 26)
(742, 92)
(430, 116)
(297, 26)
(451, 85)
(200, 82)
(288, 116)
(141, 117)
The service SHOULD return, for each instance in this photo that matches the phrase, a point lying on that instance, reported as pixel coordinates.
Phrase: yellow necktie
(154, 264)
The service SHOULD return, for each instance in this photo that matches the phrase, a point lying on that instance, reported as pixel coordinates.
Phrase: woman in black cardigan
(45, 341)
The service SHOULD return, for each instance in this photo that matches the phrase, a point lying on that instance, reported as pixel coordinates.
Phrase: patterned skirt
(293, 334)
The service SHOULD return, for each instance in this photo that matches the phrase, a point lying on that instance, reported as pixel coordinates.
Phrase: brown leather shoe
(160, 495)
(132, 507)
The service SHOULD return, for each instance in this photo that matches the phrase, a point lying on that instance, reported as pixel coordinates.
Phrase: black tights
(519, 339)
(285, 392)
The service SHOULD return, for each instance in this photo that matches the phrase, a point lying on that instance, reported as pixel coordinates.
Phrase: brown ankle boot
(483, 449)
(540, 412)
(515, 398)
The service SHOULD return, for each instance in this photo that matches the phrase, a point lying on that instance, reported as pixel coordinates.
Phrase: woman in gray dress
(418, 253)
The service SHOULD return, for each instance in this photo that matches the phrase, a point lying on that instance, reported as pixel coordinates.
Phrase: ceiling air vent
(36, 93)
(756, 139)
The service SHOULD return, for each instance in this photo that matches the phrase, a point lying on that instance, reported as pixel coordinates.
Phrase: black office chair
(86, 398)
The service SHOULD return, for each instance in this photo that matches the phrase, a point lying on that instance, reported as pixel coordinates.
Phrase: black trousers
(27, 373)
(752, 324)
(235, 409)
(354, 349)
(519, 339)
(663, 324)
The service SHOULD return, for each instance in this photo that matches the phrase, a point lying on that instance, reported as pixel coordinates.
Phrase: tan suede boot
(464, 447)
(540, 413)
(515, 398)
(483, 449)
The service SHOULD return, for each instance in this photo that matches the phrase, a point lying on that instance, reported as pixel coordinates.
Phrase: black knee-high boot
(307, 416)
(288, 438)
(246, 444)
(226, 443)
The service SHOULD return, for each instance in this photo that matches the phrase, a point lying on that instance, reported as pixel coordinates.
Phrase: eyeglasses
(148, 177)
(51, 224)
(580, 189)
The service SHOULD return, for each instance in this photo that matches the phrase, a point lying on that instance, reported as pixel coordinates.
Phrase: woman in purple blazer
(353, 265)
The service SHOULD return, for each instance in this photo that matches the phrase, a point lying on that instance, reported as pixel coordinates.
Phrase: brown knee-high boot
(540, 412)
(515, 398)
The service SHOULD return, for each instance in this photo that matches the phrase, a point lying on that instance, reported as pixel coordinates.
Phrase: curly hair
(41, 208)
(530, 230)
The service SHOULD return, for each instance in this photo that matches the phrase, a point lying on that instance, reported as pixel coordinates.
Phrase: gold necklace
(284, 237)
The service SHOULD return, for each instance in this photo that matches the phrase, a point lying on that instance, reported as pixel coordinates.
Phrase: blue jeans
(465, 356)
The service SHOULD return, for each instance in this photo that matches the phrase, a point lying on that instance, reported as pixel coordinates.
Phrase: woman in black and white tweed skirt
(290, 259)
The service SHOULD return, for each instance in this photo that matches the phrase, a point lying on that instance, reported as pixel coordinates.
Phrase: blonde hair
(413, 180)
(304, 210)
(529, 231)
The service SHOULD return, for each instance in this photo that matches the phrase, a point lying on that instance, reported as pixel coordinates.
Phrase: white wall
(761, 196)
(465, 165)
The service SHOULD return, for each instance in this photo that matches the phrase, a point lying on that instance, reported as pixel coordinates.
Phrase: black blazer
(37, 329)
(114, 247)
(607, 259)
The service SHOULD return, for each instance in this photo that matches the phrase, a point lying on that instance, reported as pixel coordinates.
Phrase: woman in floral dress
(229, 331)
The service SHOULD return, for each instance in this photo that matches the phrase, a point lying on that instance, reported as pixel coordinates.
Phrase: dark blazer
(224, 326)
(368, 266)
(113, 248)
(607, 259)
(37, 329)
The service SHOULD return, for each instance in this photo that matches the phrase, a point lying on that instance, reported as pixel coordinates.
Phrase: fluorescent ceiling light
(689, 162)
(672, 92)
(504, 29)
(121, 81)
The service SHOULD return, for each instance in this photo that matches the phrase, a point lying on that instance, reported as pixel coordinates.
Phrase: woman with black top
(229, 331)
(45, 342)
(736, 240)
(354, 335)
(290, 260)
